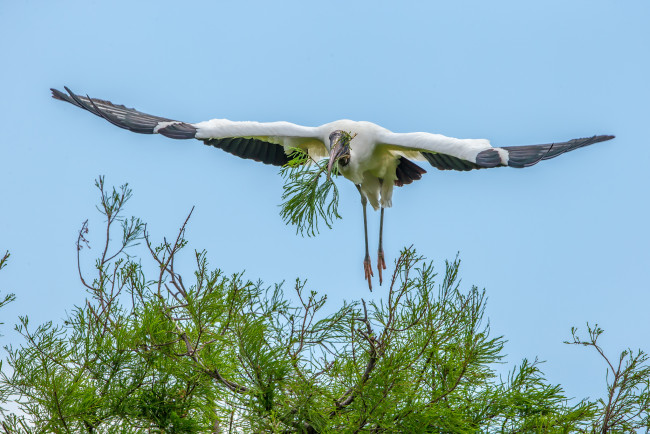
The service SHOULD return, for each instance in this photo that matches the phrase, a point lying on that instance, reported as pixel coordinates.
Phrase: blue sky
(555, 245)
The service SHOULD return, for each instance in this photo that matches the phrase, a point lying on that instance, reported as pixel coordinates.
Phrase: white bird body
(368, 162)
(372, 157)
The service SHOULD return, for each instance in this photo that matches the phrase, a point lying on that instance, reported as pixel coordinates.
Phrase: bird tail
(407, 172)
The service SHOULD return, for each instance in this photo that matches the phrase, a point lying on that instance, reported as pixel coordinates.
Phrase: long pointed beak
(337, 152)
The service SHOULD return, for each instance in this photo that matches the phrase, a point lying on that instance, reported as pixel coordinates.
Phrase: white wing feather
(281, 133)
(466, 149)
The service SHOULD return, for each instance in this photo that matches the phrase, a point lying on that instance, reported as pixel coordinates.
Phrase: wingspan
(449, 153)
(268, 143)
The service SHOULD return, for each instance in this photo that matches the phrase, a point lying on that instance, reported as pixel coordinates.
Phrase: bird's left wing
(448, 153)
(269, 142)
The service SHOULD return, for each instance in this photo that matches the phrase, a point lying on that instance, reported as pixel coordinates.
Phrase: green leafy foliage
(309, 196)
(158, 348)
(4, 260)
(626, 407)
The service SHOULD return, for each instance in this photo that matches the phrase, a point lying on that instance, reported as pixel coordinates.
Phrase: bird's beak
(338, 151)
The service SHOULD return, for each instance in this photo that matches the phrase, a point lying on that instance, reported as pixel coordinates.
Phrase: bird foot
(367, 268)
(381, 264)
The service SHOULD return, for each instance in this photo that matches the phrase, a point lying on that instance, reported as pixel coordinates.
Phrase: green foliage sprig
(9, 297)
(307, 198)
(626, 407)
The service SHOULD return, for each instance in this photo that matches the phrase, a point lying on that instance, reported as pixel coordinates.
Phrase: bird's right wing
(268, 142)
(448, 153)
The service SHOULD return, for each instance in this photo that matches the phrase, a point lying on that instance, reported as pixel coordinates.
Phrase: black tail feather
(407, 172)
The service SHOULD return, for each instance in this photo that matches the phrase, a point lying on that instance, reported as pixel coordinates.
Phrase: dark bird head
(339, 149)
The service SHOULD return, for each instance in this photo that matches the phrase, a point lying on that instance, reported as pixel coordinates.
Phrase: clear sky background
(555, 245)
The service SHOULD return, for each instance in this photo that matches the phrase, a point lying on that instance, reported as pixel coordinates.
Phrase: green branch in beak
(339, 151)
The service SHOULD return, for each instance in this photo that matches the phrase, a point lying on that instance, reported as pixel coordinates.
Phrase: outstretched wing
(448, 153)
(268, 142)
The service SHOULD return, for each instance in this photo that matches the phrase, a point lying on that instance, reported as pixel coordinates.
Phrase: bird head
(339, 150)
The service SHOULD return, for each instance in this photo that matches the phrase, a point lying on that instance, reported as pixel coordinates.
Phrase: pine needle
(307, 198)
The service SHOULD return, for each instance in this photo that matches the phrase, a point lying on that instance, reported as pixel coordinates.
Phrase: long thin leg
(367, 266)
(381, 264)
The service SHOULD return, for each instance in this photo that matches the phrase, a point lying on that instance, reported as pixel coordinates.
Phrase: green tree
(158, 349)
(4, 391)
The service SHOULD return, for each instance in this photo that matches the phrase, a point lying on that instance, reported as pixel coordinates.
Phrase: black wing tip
(582, 142)
(57, 94)
(526, 156)
(70, 93)
(604, 138)
(124, 117)
(70, 97)
(62, 96)
(593, 139)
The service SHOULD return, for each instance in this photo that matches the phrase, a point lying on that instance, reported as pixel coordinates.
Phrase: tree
(158, 349)
(4, 392)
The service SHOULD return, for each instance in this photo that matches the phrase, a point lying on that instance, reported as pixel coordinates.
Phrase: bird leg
(367, 266)
(381, 264)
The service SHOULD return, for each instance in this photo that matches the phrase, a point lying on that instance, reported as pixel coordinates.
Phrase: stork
(372, 157)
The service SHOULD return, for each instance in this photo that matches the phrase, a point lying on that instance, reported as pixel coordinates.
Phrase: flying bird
(372, 157)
